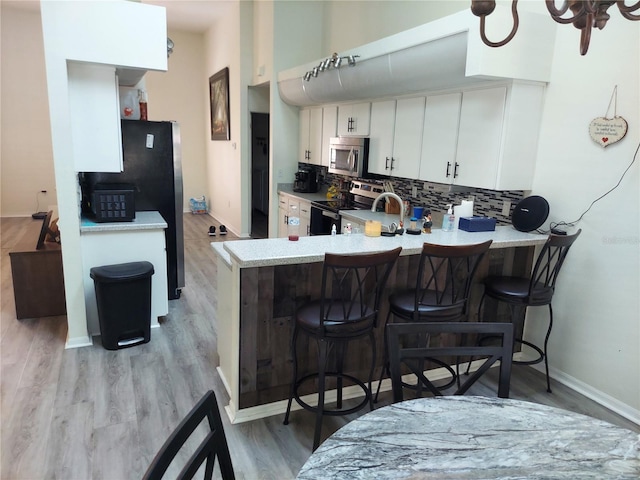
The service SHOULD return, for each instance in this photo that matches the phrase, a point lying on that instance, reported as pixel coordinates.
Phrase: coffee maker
(306, 181)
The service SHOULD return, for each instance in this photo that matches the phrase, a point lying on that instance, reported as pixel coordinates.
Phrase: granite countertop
(475, 438)
(281, 251)
(287, 189)
(143, 221)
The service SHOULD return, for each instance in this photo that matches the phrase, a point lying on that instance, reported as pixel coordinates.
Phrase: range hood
(441, 55)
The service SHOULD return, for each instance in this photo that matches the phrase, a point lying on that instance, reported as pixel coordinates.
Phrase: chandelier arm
(556, 14)
(585, 36)
(626, 10)
(507, 39)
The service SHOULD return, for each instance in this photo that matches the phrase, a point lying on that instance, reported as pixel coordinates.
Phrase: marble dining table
(469, 437)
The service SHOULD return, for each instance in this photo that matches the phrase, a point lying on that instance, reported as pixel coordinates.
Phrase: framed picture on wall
(219, 98)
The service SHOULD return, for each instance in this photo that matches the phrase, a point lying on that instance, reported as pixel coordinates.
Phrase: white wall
(179, 95)
(26, 160)
(595, 344)
(227, 160)
(351, 23)
(26, 151)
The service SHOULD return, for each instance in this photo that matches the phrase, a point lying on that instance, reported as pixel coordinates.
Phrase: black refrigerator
(152, 164)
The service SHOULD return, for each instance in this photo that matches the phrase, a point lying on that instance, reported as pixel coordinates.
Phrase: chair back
(400, 337)
(213, 445)
(444, 279)
(352, 287)
(550, 261)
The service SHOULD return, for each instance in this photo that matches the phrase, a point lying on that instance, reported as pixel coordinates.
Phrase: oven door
(322, 220)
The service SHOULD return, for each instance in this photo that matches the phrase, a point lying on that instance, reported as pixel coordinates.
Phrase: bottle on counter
(427, 223)
(334, 231)
(142, 100)
(449, 220)
(293, 225)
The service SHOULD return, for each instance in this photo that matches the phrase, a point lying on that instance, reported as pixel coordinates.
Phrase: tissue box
(477, 224)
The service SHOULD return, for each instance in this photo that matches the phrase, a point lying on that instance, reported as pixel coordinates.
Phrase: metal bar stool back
(537, 290)
(347, 309)
(441, 292)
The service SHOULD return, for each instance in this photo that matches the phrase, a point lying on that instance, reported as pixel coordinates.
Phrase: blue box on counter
(477, 224)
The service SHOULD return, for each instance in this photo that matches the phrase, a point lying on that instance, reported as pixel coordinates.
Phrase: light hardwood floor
(90, 413)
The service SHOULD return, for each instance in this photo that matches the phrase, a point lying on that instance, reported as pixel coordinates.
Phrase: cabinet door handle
(386, 163)
(350, 125)
(286, 219)
(448, 167)
(455, 170)
(392, 160)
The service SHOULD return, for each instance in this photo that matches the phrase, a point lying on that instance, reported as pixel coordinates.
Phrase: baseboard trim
(77, 342)
(277, 408)
(592, 393)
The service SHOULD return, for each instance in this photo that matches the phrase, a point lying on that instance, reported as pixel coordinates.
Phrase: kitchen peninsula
(261, 282)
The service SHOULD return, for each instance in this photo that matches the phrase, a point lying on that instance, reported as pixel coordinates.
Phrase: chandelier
(334, 61)
(585, 15)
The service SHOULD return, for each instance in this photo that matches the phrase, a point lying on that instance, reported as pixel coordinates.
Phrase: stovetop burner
(360, 197)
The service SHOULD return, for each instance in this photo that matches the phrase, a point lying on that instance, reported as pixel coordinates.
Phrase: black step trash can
(123, 296)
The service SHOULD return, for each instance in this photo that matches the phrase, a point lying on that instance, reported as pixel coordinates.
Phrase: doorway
(259, 175)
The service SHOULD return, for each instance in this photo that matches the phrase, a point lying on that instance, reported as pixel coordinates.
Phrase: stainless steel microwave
(349, 156)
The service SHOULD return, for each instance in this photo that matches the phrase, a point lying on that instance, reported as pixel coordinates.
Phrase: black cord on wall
(555, 225)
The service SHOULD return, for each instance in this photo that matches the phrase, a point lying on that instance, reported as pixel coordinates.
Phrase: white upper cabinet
(396, 137)
(440, 137)
(329, 130)
(381, 137)
(485, 138)
(353, 119)
(407, 138)
(94, 108)
(310, 136)
(479, 137)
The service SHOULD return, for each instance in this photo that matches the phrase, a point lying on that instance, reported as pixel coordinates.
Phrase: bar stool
(347, 310)
(537, 290)
(441, 294)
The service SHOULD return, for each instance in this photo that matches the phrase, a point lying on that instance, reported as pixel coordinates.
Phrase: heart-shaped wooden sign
(607, 131)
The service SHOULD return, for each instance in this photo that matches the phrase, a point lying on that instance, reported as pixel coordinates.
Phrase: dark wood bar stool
(350, 294)
(534, 291)
(441, 293)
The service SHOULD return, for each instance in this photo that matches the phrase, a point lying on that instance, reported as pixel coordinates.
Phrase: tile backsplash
(487, 203)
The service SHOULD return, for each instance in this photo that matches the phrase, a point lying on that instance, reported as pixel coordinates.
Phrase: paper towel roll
(464, 210)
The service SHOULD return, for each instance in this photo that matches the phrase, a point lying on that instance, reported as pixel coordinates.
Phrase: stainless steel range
(326, 213)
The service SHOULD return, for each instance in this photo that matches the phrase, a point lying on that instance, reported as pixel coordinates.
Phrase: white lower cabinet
(304, 214)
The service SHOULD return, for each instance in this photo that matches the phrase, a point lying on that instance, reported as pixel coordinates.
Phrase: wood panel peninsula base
(261, 282)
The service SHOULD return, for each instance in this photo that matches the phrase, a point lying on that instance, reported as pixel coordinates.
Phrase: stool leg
(341, 350)
(385, 356)
(478, 339)
(322, 360)
(372, 338)
(546, 340)
(295, 374)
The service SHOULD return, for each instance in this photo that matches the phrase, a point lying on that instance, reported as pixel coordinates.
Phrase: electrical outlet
(414, 191)
(506, 208)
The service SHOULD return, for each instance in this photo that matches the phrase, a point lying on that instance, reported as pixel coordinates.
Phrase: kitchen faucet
(395, 197)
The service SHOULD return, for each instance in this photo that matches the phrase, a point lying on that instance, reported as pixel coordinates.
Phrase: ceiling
(192, 15)
(186, 15)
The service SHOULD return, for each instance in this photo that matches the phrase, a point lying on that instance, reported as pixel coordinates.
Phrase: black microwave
(349, 156)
